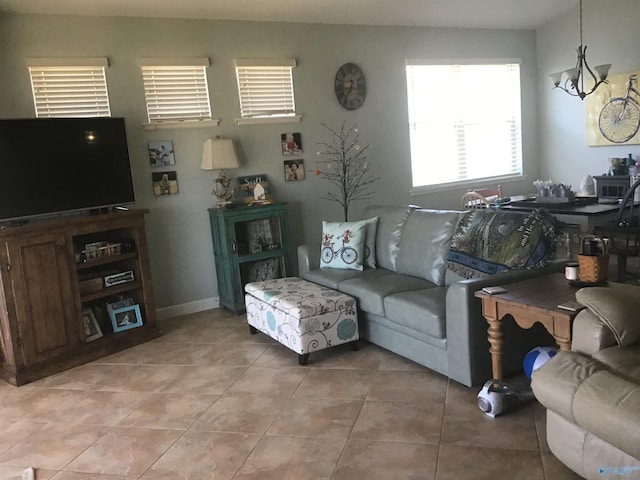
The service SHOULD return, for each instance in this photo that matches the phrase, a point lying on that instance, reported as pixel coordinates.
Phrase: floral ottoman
(301, 315)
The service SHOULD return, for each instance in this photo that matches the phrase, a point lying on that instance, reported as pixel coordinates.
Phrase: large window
(176, 90)
(265, 89)
(69, 87)
(464, 122)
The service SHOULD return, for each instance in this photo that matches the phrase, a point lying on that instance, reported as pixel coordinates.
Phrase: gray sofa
(413, 305)
(592, 393)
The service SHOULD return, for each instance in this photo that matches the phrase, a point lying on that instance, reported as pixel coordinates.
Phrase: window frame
(245, 68)
(70, 83)
(517, 175)
(196, 93)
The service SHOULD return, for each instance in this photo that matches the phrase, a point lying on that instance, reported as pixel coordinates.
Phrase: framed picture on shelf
(118, 304)
(126, 318)
(255, 189)
(92, 330)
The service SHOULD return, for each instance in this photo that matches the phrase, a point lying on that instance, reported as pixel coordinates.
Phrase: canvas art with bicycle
(613, 112)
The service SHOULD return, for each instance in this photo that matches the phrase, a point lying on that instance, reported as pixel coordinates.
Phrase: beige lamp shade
(218, 154)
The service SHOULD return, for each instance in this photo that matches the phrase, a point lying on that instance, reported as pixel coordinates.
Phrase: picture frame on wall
(165, 183)
(161, 153)
(92, 330)
(291, 143)
(293, 170)
(126, 318)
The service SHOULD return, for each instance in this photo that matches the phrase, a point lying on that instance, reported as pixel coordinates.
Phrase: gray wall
(612, 36)
(178, 228)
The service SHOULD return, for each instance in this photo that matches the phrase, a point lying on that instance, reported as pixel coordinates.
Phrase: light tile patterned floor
(209, 401)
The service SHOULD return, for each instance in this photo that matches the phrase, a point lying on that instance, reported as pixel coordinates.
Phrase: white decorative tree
(347, 167)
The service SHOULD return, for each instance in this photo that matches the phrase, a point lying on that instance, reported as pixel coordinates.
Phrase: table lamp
(220, 154)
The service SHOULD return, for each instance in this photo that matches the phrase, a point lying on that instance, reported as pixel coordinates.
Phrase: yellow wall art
(612, 112)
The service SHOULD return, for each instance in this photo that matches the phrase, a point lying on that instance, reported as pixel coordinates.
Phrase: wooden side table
(527, 302)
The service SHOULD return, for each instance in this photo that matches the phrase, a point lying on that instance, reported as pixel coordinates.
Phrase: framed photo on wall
(291, 143)
(293, 170)
(161, 153)
(165, 183)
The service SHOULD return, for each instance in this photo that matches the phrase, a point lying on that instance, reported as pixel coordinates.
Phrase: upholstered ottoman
(301, 315)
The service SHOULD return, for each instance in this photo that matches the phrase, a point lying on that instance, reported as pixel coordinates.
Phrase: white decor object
(220, 154)
(575, 77)
(587, 186)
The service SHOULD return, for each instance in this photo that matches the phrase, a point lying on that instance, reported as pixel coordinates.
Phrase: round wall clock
(350, 86)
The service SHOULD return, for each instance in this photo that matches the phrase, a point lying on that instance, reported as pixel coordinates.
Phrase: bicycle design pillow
(343, 245)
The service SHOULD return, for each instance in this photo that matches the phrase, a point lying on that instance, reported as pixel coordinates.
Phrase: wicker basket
(593, 268)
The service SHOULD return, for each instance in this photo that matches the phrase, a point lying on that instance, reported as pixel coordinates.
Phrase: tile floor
(209, 401)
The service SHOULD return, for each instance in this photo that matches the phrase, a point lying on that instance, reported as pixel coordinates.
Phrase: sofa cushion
(556, 382)
(370, 242)
(343, 245)
(332, 277)
(391, 222)
(421, 310)
(617, 306)
(607, 406)
(425, 243)
(488, 242)
(624, 361)
(371, 290)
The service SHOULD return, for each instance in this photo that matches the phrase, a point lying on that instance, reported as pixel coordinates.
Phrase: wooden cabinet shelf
(110, 291)
(42, 321)
(105, 260)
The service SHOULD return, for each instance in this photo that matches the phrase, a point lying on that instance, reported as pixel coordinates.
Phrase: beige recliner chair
(592, 393)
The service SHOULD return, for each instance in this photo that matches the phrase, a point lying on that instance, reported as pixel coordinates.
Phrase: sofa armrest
(308, 258)
(590, 334)
(586, 393)
(617, 307)
(467, 344)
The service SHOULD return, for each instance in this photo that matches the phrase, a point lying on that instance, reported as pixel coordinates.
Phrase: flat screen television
(59, 165)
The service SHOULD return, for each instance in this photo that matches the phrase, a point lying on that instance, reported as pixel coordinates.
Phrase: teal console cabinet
(250, 244)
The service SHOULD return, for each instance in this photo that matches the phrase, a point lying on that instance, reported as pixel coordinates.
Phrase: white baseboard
(186, 308)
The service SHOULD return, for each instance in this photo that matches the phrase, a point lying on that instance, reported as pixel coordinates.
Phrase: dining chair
(624, 233)
(480, 198)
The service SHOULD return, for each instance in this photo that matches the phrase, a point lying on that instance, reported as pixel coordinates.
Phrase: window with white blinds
(176, 90)
(265, 88)
(464, 122)
(69, 87)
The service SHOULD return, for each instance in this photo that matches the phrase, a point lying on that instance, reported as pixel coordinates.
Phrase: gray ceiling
(503, 14)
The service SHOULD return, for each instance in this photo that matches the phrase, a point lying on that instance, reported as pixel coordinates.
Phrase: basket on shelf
(593, 264)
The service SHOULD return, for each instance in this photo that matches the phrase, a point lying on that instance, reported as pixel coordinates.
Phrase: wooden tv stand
(47, 285)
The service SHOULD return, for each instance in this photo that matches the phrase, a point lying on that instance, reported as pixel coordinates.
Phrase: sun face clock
(350, 86)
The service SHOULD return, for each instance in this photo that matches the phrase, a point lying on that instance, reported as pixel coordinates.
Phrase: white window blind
(67, 90)
(265, 88)
(464, 122)
(175, 91)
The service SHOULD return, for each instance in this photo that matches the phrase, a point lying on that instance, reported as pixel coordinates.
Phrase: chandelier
(574, 78)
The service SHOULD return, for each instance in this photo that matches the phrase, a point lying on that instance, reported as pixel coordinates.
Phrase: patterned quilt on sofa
(487, 242)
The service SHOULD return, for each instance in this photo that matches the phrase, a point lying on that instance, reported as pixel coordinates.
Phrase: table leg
(565, 345)
(495, 339)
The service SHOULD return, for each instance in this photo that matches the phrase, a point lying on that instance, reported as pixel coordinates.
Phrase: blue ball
(536, 358)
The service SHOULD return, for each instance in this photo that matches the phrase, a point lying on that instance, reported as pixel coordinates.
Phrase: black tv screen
(57, 165)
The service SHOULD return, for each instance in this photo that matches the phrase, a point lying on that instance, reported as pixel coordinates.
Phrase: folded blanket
(487, 242)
